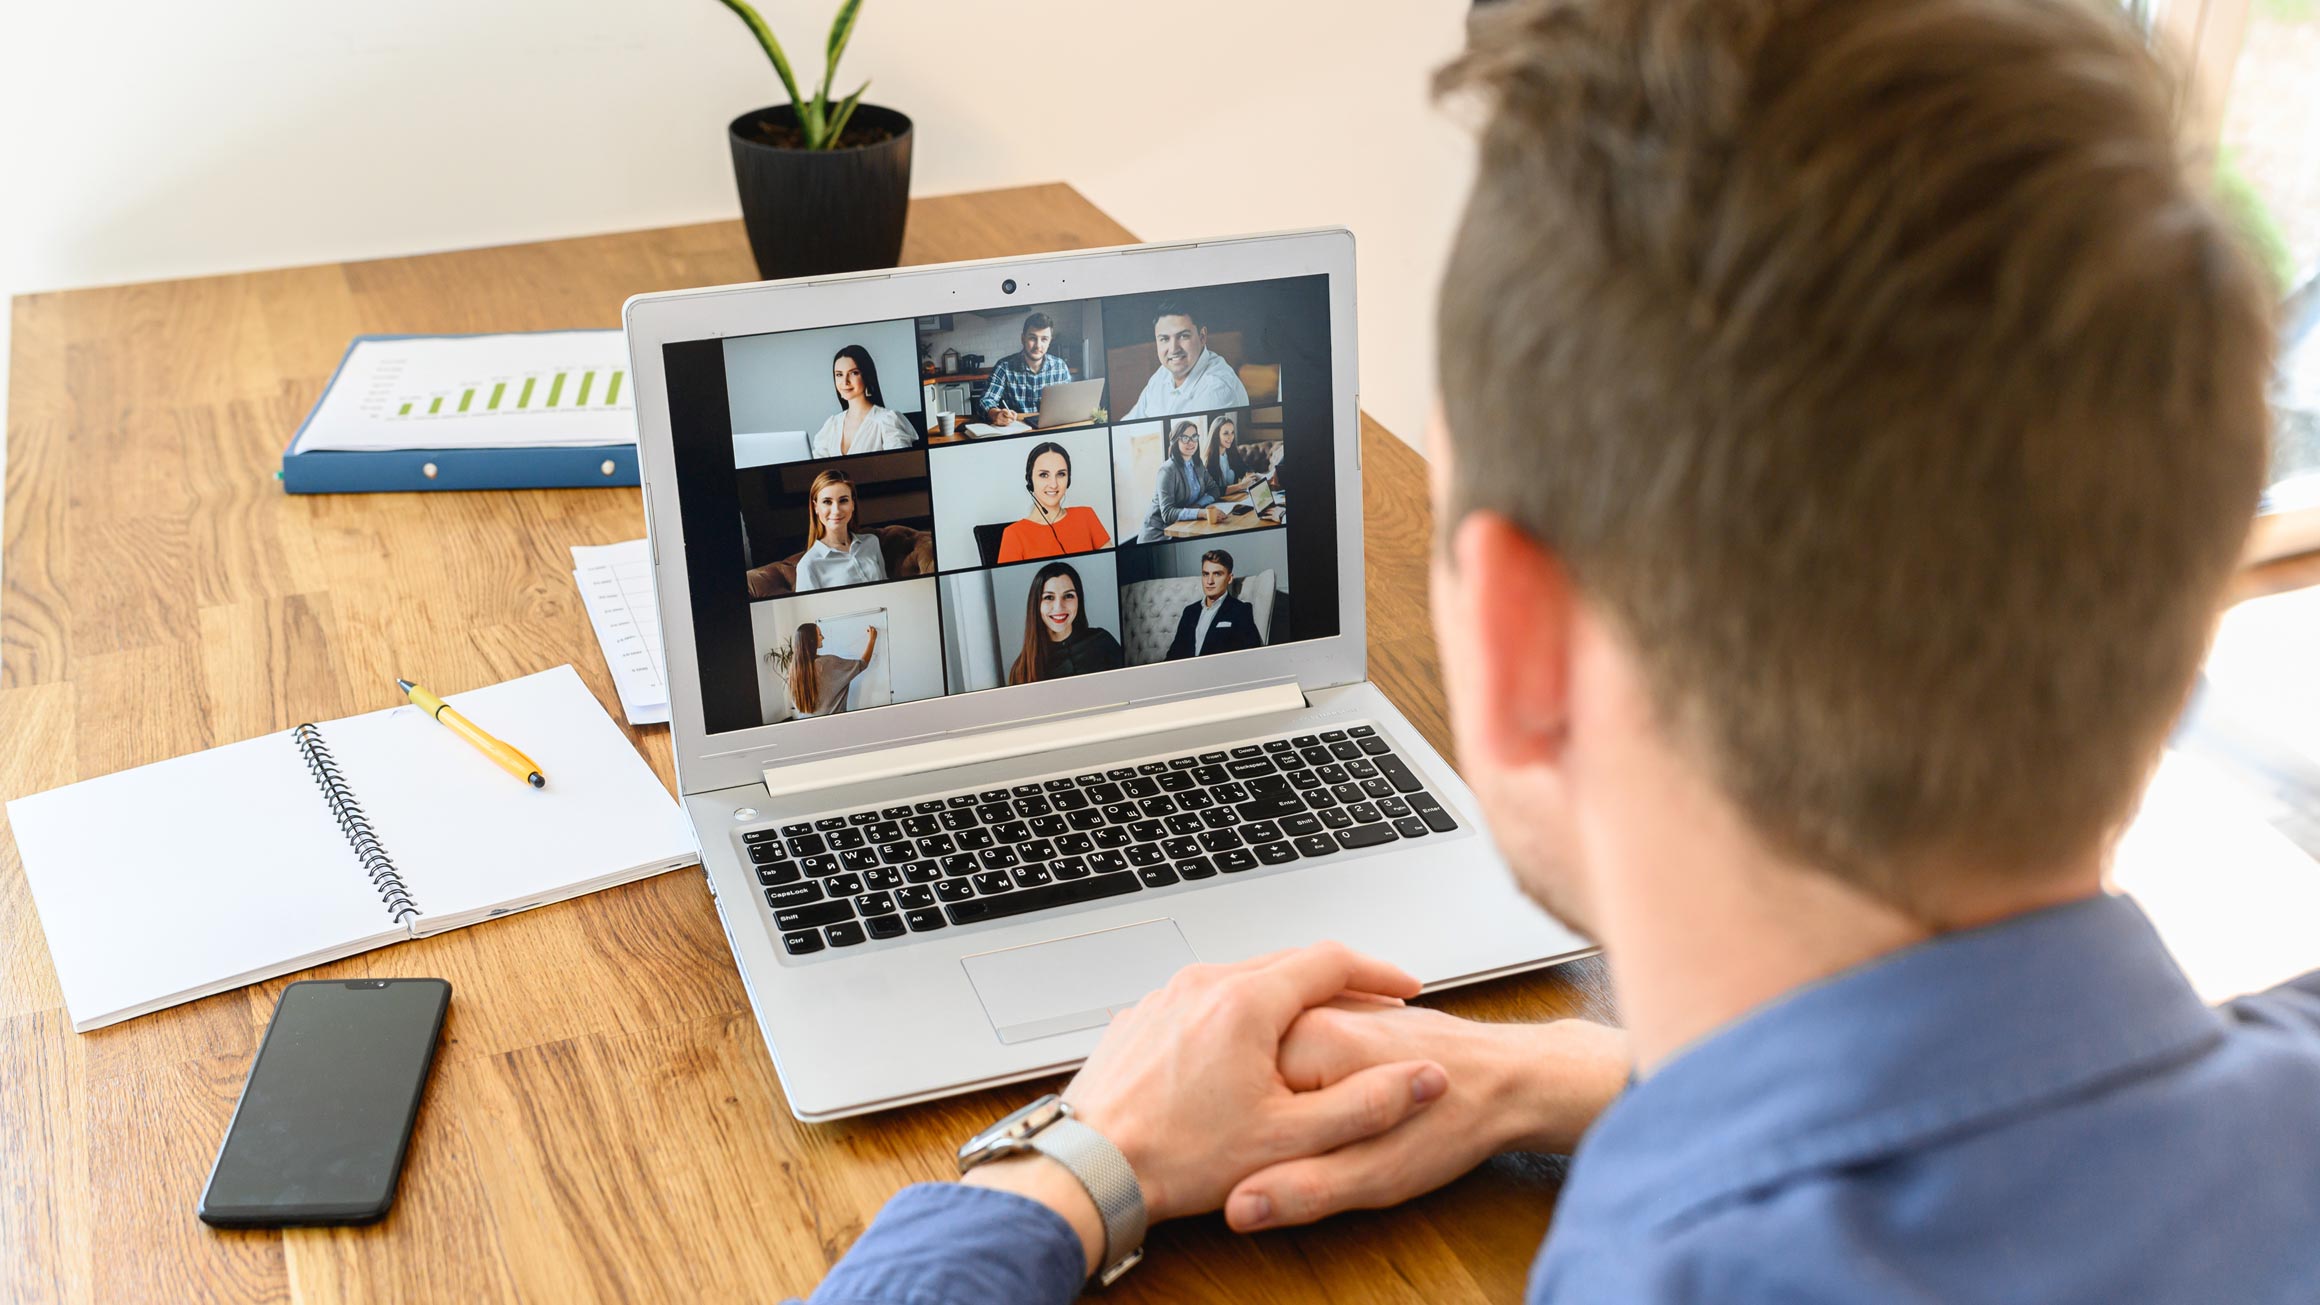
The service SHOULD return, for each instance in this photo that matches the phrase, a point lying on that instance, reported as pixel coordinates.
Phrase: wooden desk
(603, 1119)
(1230, 525)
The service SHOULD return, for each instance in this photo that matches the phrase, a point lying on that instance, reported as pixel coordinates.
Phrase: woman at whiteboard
(834, 554)
(1057, 639)
(818, 681)
(863, 424)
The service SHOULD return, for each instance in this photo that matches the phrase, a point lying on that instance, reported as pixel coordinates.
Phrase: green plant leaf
(841, 29)
(772, 47)
(845, 113)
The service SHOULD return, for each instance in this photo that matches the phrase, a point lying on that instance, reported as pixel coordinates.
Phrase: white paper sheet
(617, 589)
(536, 389)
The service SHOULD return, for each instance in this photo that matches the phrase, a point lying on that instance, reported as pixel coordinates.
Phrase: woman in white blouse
(834, 554)
(863, 424)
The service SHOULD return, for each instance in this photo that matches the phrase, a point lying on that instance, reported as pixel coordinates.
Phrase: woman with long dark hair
(863, 423)
(1231, 469)
(1057, 639)
(818, 681)
(1183, 492)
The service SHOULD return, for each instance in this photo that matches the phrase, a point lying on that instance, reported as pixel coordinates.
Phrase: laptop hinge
(1046, 736)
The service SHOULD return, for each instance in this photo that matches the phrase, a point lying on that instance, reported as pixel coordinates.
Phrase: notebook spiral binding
(355, 825)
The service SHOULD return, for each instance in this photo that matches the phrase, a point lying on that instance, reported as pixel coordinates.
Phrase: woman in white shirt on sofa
(834, 554)
(863, 424)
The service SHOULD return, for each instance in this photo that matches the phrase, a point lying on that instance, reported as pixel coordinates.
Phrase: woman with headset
(863, 424)
(1057, 639)
(1184, 491)
(818, 681)
(835, 555)
(1052, 529)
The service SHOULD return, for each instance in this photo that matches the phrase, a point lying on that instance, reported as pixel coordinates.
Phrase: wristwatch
(1046, 1126)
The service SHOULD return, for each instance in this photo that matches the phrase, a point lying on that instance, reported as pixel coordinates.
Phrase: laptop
(1068, 403)
(1048, 815)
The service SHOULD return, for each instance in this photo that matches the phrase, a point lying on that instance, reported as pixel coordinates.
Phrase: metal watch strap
(1110, 1182)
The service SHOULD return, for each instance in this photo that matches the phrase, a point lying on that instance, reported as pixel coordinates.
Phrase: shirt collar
(1887, 1057)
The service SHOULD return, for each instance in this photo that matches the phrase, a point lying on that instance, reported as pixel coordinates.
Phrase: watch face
(1010, 1131)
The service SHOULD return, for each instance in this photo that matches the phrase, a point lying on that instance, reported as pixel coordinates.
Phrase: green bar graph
(405, 412)
(524, 399)
(498, 388)
(612, 389)
(466, 399)
(435, 406)
(587, 379)
(556, 388)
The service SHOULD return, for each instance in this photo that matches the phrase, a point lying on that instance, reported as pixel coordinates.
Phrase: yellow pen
(513, 762)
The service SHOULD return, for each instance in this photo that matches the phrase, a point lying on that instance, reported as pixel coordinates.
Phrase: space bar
(1039, 899)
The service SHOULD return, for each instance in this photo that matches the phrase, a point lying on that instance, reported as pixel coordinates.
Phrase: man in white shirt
(1191, 378)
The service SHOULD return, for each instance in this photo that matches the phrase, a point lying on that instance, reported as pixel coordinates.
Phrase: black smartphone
(326, 1115)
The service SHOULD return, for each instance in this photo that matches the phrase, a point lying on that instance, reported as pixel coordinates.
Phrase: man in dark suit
(1219, 622)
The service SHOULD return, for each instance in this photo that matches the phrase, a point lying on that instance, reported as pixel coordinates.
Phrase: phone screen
(322, 1125)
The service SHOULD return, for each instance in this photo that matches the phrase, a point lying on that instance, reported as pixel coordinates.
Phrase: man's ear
(1522, 607)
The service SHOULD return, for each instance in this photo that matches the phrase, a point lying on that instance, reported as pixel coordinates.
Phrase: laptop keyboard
(889, 872)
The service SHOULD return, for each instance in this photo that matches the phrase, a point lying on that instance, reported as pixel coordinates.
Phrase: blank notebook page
(470, 839)
(188, 876)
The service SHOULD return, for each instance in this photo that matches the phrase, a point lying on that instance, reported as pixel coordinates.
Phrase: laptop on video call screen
(891, 511)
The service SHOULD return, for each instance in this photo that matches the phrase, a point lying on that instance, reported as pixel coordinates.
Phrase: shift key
(803, 917)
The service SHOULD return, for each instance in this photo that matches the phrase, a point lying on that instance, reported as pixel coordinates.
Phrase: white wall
(154, 138)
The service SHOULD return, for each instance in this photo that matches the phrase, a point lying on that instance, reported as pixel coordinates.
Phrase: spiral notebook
(201, 874)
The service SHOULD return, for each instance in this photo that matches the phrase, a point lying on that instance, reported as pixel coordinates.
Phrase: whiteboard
(845, 636)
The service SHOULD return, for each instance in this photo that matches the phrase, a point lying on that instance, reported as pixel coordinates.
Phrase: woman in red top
(1052, 529)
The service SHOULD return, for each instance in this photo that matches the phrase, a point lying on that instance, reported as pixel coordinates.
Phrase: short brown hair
(1879, 370)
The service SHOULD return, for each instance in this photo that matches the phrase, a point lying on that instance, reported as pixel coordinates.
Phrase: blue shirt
(1016, 387)
(2039, 1110)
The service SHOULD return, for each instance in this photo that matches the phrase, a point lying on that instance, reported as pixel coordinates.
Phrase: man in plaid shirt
(1012, 393)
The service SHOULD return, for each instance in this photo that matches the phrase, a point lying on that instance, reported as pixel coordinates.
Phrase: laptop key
(962, 800)
(1377, 788)
(1120, 772)
(1032, 807)
(1025, 790)
(1347, 792)
(1040, 899)
(802, 941)
(954, 890)
(885, 831)
(1156, 876)
(1220, 817)
(1361, 768)
(1111, 836)
(1147, 831)
(921, 872)
(802, 845)
(1411, 827)
(1184, 763)
(1248, 750)
(1032, 876)
(1315, 844)
(1276, 853)
(761, 836)
(1146, 854)
(1195, 867)
(807, 917)
(1220, 840)
(1070, 867)
(793, 894)
(827, 823)
(1394, 807)
(897, 853)
(1072, 801)
(1280, 745)
(994, 795)
(1363, 731)
(1037, 849)
(1156, 807)
(1319, 798)
(780, 872)
(1250, 768)
(913, 896)
(993, 881)
(883, 878)
(1438, 820)
(921, 826)
(819, 866)
(1262, 831)
(1104, 863)
(1335, 818)
(995, 813)
(1306, 740)
(1270, 806)
(862, 818)
(939, 845)
(974, 840)
(1193, 799)
(793, 830)
(1074, 845)
(884, 926)
(998, 858)
(1364, 812)
(845, 840)
(1180, 847)
(845, 885)
(1151, 767)
(1229, 793)
(1301, 824)
(958, 818)
(929, 807)
(1056, 785)
(1175, 781)
(848, 934)
(1183, 822)
(1397, 772)
(1317, 756)
(875, 904)
(1232, 863)
(1142, 786)
(1305, 779)
(1212, 758)
(1013, 831)
(1333, 736)
(1365, 836)
(926, 920)
(1104, 795)
(1376, 747)
(1210, 776)
(858, 859)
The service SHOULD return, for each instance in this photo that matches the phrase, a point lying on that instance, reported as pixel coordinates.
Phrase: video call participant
(817, 680)
(1012, 393)
(1192, 377)
(1057, 640)
(1184, 491)
(863, 423)
(1233, 470)
(834, 554)
(1219, 622)
(1052, 529)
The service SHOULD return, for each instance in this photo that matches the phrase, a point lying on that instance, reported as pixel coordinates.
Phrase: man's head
(1215, 573)
(1864, 383)
(1038, 334)
(1180, 337)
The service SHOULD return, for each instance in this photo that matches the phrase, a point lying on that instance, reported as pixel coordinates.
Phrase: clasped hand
(1294, 1085)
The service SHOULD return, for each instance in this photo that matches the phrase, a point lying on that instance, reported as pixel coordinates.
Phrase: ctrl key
(802, 941)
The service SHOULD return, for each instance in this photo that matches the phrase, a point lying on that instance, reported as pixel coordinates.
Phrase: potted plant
(825, 185)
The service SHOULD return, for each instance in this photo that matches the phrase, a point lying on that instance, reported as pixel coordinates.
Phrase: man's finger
(1359, 1106)
(1312, 975)
(1365, 1176)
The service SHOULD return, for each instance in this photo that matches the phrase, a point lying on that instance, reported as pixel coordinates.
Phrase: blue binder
(353, 471)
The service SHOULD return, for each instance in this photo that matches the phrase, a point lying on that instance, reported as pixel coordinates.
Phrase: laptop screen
(936, 531)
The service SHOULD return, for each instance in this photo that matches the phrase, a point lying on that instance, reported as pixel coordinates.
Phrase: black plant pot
(812, 212)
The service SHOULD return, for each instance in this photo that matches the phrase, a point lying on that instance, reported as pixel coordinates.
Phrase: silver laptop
(1079, 775)
(1068, 403)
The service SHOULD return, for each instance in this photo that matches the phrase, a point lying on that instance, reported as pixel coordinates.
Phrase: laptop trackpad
(1075, 983)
